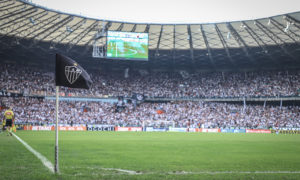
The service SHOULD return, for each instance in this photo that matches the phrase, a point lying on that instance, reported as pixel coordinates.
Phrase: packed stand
(35, 81)
(181, 114)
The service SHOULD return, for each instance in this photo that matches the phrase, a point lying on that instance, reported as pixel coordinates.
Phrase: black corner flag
(70, 74)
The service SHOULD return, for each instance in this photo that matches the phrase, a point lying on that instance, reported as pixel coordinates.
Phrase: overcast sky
(174, 11)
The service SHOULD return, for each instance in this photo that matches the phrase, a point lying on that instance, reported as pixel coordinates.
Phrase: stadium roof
(176, 11)
(28, 30)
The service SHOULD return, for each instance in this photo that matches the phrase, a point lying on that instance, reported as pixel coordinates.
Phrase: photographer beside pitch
(9, 119)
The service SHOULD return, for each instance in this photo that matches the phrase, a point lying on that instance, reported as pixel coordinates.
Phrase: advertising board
(151, 129)
(215, 130)
(177, 129)
(128, 128)
(233, 130)
(101, 128)
(258, 131)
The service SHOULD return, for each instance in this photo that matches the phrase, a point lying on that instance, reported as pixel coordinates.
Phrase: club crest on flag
(68, 73)
(72, 73)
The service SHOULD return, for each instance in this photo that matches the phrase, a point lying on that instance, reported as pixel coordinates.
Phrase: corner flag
(70, 74)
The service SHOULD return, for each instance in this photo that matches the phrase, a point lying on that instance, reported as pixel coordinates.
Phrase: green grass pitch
(152, 155)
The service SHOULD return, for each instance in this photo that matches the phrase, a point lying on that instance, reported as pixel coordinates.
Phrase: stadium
(152, 100)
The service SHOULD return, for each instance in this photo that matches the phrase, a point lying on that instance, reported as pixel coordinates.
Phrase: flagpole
(56, 169)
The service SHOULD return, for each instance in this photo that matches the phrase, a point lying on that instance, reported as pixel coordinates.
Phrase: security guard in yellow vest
(9, 118)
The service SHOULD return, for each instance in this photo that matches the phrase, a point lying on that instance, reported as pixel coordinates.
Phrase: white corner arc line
(44, 160)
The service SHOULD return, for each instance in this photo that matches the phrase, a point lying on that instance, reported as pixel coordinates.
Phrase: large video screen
(127, 45)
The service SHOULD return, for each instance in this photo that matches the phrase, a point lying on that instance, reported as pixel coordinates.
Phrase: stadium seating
(184, 114)
(34, 81)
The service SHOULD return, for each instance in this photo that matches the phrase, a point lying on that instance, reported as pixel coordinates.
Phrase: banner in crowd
(258, 131)
(10, 94)
(128, 129)
(100, 128)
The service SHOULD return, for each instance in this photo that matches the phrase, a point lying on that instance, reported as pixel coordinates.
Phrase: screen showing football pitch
(127, 45)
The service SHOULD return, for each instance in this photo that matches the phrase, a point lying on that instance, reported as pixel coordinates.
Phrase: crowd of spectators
(180, 114)
(34, 81)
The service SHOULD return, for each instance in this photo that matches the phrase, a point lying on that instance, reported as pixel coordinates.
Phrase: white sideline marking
(112, 169)
(131, 172)
(236, 172)
(44, 160)
(122, 170)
